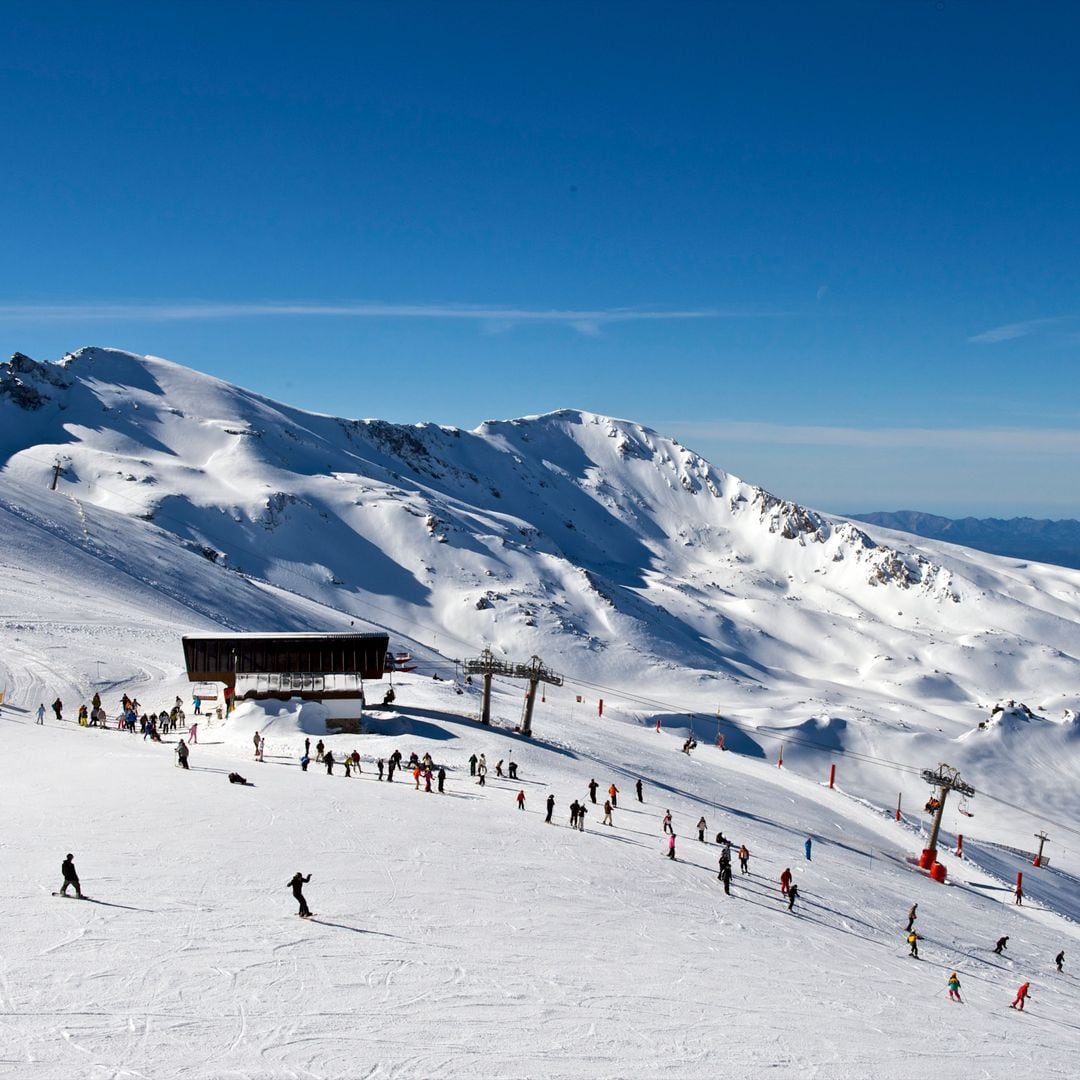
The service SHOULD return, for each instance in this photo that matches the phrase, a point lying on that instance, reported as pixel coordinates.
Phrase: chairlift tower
(487, 664)
(945, 778)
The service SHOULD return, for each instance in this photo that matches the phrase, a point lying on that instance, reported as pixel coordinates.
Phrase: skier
(792, 896)
(725, 877)
(482, 764)
(481, 771)
(307, 748)
(441, 777)
(637, 787)
(593, 785)
(41, 713)
(255, 740)
(511, 769)
(196, 705)
(305, 761)
(1060, 959)
(550, 808)
(913, 941)
(498, 767)
(71, 876)
(613, 791)
(667, 821)
(954, 988)
(607, 812)
(262, 748)
(581, 812)
(785, 881)
(701, 826)
(472, 765)
(521, 800)
(297, 885)
(193, 734)
(416, 776)
(319, 748)
(806, 848)
(58, 708)
(1021, 997)
(328, 761)
(671, 846)
(381, 765)
(391, 764)
(182, 754)
(1019, 893)
(1001, 944)
(575, 809)
(744, 859)
(911, 915)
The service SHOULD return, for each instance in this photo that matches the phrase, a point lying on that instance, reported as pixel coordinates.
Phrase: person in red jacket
(785, 881)
(1021, 997)
(521, 800)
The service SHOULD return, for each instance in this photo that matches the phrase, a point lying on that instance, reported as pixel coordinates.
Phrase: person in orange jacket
(1021, 997)
(613, 791)
(785, 880)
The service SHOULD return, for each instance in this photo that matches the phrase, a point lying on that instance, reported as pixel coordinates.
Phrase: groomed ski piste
(455, 935)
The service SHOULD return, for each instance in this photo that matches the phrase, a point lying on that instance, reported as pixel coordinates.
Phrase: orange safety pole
(898, 797)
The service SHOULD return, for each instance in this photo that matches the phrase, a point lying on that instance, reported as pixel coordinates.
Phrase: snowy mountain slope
(632, 566)
(455, 935)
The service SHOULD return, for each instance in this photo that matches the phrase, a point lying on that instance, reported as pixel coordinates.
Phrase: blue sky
(831, 246)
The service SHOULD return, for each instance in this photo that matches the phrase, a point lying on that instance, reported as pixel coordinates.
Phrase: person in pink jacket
(671, 846)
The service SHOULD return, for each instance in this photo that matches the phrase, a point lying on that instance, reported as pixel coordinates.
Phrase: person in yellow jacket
(954, 988)
(913, 941)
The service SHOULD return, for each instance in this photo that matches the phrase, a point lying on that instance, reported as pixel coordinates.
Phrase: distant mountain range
(1039, 540)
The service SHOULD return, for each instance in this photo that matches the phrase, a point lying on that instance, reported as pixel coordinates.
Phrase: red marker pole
(959, 845)
(832, 775)
(898, 797)
(600, 708)
(780, 763)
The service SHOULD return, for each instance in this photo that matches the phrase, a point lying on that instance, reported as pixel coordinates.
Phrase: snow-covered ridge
(615, 553)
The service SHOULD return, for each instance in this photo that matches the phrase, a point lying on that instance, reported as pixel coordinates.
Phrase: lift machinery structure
(487, 664)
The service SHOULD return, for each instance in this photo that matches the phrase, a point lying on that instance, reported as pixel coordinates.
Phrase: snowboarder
(911, 916)
(725, 877)
(319, 748)
(701, 826)
(613, 791)
(328, 761)
(667, 822)
(1021, 997)
(575, 809)
(71, 877)
(807, 846)
(1060, 959)
(637, 787)
(744, 859)
(521, 800)
(607, 812)
(1002, 943)
(441, 777)
(41, 713)
(954, 988)
(297, 885)
(913, 941)
(472, 765)
(593, 785)
(792, 896)
(255, 740)
(193, 734)
(236, 778)
(671, 846)
(550, 808)
(182, 754)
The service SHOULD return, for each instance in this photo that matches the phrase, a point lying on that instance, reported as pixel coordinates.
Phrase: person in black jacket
(297, 885)
(71, 877)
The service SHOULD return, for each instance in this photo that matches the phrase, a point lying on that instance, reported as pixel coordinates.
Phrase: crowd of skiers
(424, 771)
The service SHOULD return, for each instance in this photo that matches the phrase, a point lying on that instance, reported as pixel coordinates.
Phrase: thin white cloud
(1018, 440)
(1011, 331)
(587, 322)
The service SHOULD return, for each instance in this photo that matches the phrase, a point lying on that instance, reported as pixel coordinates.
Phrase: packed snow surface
(455, 934)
